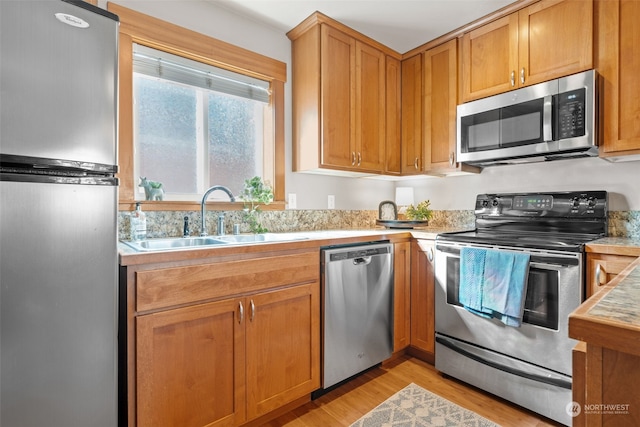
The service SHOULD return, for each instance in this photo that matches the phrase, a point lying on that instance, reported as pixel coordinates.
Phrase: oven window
(541, 303)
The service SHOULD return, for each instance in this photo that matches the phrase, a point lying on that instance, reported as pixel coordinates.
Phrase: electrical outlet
(292, 201)
(331, 201)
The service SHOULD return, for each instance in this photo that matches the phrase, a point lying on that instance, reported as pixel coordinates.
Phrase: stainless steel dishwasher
(357, 309)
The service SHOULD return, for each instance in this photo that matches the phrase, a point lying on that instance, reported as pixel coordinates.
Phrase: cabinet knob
(513, 78)
(522, 76)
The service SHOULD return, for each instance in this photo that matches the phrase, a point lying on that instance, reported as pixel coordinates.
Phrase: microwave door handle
(547, 109)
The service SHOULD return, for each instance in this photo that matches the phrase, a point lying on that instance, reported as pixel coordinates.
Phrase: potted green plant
(255, 193)
(422, 212)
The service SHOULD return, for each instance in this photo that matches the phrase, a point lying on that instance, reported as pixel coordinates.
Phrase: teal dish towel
(493, 283)
(472, 261)
(504, 285)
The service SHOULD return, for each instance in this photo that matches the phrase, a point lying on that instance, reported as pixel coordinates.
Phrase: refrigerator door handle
(63, 179)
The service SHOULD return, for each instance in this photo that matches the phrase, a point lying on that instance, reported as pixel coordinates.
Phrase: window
(196, 156)
(196, 125)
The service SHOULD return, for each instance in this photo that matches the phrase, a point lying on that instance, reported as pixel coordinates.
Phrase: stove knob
(575, 202)
(495, 203)
(592, 201)
(485, 203)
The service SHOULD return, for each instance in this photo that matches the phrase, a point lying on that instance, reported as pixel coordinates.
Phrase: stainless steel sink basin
(155, 245)
(174, 243)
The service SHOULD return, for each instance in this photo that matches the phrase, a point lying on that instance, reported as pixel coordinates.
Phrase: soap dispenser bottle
(138, 224)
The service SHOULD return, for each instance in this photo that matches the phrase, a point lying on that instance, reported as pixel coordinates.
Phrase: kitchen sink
(173, 243)
(155, 245)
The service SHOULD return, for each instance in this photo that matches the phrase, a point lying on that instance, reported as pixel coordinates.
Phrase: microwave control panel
(571, 120)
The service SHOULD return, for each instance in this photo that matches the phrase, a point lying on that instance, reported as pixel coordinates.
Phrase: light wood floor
(346, 404)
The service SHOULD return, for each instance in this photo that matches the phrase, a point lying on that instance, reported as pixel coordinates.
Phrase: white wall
(622, 180)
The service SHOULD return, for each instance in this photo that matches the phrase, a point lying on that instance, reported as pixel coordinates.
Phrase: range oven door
(554, 290)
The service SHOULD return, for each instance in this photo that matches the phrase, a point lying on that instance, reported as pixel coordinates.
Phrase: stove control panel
(590, 204)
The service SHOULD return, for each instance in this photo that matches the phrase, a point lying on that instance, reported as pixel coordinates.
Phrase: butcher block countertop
(611, 317)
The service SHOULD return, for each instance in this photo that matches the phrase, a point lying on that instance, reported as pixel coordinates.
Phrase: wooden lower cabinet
(222, 342)
(401, 296)
(423, 298)
(191, 361)
(190, 366)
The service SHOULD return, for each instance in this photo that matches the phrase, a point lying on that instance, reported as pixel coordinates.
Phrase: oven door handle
(558, 382)
(540, 260)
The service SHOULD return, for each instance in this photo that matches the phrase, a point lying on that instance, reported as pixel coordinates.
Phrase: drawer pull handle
(599, 275)
(253, 310)
(353, 158)
(415, 164)
(522, 75)
(513, 78)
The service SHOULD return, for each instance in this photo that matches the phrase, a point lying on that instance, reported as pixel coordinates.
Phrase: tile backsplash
(170, 223)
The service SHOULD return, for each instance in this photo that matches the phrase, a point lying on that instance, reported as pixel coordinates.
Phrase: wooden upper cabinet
(340, 90)
(618, 62)
(393, 131)
(412, 115)
(440, 101)
(370, 110)
(338, 60)
(546, 40)
(556, 39)
(490, 58)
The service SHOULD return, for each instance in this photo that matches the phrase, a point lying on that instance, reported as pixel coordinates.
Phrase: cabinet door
(370, 112)
(401, 296)
(602, 268)
(490, 58)
(422, 296)
(393, 153)
(338, 53)
(440, 101)
(283, 347)
(618, 62)
(555, 40)
(190, 366)
(412, 115)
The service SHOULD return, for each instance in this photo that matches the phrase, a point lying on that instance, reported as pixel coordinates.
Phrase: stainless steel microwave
(547, 121)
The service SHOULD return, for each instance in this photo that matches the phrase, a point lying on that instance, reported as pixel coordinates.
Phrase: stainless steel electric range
(529, 364)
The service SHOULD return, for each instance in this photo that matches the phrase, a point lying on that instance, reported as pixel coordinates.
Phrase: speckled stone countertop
(622, 302)
(611, 317)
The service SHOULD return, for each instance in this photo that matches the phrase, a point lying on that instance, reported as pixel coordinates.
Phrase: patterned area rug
(415, 406)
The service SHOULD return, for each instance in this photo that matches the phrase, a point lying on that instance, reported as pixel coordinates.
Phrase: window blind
(156, 63)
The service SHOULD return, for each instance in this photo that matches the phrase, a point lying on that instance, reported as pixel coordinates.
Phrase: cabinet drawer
(175, 286)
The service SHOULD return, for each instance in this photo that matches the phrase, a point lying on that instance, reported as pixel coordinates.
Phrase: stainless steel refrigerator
(58, 208)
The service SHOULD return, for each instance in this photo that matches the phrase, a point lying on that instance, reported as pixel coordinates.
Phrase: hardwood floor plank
(347, 403)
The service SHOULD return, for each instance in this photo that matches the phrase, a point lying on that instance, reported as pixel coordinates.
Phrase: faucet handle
(185, 230)
(220, 224)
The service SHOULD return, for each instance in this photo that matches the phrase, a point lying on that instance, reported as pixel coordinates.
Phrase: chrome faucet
(203, 226)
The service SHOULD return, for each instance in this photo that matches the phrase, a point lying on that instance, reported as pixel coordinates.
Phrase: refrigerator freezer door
(57, 82)
(58, 312)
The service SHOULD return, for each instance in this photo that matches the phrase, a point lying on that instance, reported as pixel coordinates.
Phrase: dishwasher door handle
(362, 260)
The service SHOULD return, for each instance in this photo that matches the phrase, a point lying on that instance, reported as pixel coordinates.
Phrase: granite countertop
(309, 240)
(611, 317)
